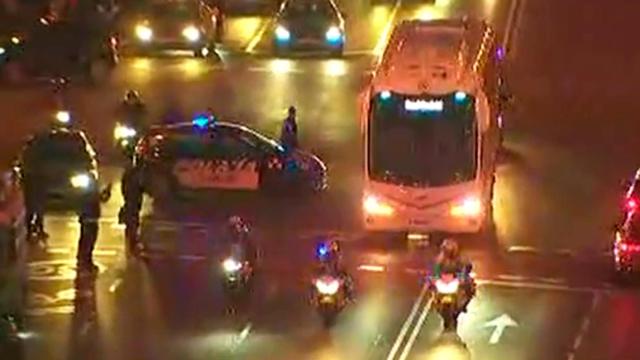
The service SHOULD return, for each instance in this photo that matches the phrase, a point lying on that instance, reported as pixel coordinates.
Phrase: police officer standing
(89, 217)
(289, 131)
(132, 193)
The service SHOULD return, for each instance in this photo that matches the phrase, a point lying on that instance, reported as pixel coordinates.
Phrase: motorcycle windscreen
(241, 174)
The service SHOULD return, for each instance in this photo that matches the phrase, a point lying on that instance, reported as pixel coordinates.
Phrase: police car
(309, 24)
(207, 155)
(171, 25)
(62, 161)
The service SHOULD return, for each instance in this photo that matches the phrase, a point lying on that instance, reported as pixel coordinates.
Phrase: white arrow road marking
(499, 324)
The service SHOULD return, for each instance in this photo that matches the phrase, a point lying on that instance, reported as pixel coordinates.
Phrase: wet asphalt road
(545, 277)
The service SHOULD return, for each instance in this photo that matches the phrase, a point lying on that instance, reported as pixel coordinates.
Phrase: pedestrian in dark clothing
(89, 218)
(132, 194)
(289, 131)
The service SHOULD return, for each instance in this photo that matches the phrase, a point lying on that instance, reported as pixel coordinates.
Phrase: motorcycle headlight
(327, 286)
(282, 34)
(123, 132)
(15, 40)
(231, 265)
(374, 206)
(144, 32)
(63, 117)
(191, 33)
(469, 207)
(334, 34)
(81, 181)
(450, 287)
(2, 50)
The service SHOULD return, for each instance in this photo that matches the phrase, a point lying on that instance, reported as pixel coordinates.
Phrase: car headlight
(81, 181)
(282, 34)
(2, 51)
(191, 33)
(334, 34)
(327, 286)
(144, 32)
(231, 265)
(470, 206)
(15, 40)
(374, 206)
(123, 132)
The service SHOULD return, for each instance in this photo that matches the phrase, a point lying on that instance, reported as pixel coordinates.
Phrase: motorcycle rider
(450, 261)
(133, 109)
(132, 193)
(329, 257)
(289, 131)
(239, 241)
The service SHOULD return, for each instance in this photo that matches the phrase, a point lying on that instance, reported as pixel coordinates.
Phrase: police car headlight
(333, 34)
(144, 32)
(81, 181)
(191, 33)
(282, 34)
(469, 207)
(123, 132)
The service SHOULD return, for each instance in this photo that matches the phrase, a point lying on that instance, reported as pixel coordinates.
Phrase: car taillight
(628, 247)
(631, 204)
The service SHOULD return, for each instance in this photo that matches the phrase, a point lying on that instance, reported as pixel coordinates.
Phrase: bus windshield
(425, 141)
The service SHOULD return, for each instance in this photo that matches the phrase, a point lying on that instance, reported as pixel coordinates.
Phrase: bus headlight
(144, 32)
(333, 35)
(470, 206)
(81, 181)
(191, 33)
(374, 206)
(123, 132)
(282, 34)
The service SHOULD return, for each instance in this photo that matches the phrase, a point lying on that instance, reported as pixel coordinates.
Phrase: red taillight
(628, 247)
(631, 204)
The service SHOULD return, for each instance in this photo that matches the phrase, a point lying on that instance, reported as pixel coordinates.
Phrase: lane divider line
(116, 284)
(407, 324)
(416, 329)
(584, 326)
(538, 286)
(258, 36)
(512, 21)
(382, 40)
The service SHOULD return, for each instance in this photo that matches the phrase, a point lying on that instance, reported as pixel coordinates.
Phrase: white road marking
(58, 250)
(407, 324)
(538, 286)
(584, 326)
(258, 36)
(104, 252)
(518, 248)
(499, 324)
(116, 284)
(270, 70)
(508, 277)
(371, 268)
(511, 22)
(416, 329)
(384, 36)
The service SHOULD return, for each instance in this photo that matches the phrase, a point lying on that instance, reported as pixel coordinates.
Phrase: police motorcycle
(450, 297)
(237, 267)
(328, 289)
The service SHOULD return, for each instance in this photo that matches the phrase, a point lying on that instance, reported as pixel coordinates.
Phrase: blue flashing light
(384, 95)
(500, 53)
(201, 121)
(460, 96)
(322, 251)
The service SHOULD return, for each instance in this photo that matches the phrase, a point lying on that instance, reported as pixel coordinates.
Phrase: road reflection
(448, 346)
(84, 323)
